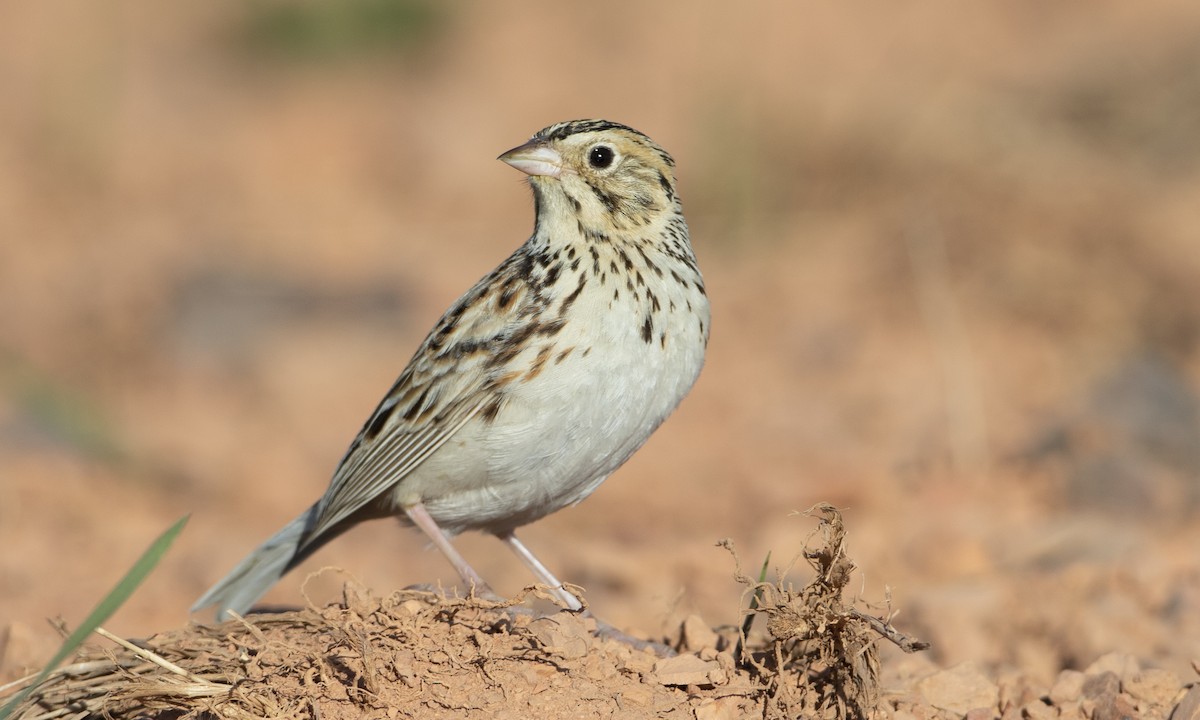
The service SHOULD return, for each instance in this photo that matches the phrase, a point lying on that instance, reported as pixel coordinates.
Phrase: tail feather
(261, 569)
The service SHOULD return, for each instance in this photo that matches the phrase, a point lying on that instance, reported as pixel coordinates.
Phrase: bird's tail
(262, 568)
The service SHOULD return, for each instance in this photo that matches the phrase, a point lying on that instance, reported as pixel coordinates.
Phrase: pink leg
(539, 570)
(422, 519)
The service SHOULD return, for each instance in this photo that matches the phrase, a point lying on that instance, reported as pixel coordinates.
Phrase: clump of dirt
(819, 655)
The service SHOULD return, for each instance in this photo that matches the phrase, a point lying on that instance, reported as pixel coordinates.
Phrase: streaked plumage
(538, 382)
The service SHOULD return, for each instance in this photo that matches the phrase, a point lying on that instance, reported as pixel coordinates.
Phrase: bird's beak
(535, 158)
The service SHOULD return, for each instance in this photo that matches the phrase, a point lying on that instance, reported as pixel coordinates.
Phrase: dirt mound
(798, 653)
(429, 655)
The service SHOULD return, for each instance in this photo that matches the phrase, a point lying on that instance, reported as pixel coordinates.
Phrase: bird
(537, 383)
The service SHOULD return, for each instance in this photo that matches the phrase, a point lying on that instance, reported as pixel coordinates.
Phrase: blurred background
(953, 251)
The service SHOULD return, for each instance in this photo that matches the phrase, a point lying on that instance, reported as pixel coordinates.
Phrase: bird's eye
(600, 156)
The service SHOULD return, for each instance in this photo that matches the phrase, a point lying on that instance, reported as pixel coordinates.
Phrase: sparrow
(537, 383)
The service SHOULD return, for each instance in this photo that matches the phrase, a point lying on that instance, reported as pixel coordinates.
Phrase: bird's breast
(619, 366)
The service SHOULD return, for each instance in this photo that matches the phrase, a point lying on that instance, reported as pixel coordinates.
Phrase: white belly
(561, 434)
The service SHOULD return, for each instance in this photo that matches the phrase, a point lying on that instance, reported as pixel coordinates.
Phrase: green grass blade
(756, 599)
(115, 599)
(762, 573)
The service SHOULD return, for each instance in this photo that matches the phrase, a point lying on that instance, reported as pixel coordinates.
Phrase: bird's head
(609, 176)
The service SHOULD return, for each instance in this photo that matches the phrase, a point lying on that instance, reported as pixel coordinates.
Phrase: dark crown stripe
(575, 127)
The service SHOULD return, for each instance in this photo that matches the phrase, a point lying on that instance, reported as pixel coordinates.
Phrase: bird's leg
(603, 629)
(544, 575)
(422, 519)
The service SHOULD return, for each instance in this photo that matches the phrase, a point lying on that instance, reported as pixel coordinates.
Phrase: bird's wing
(459, 371)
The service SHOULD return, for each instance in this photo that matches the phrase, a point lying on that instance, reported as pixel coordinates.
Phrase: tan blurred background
(953, 251)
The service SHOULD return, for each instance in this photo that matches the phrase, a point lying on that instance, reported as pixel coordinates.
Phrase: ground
(952, 253)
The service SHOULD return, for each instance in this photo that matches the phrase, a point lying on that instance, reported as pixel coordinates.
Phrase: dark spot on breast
(539, 363)
(552, 328)
(596, 236)
(625, 259)
(648, 329)
(648, 262)
(662, 340)
(563, 355)
(570, 299)
(552, 273)
(504, 349)
(504, 380)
